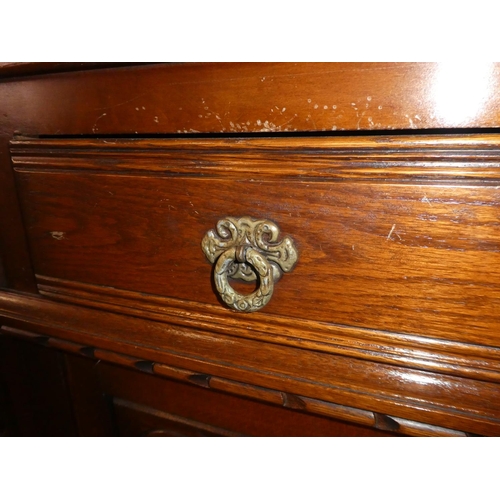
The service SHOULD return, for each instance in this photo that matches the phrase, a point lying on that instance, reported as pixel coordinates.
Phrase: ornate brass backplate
(250, 250)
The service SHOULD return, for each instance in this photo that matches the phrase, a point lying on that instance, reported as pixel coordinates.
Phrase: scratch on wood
(94, 128)
(121, 103)
(57, 235)
(390, 232)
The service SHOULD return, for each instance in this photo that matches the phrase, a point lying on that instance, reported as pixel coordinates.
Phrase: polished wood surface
(407, 396)
(233, 98)
(384, 249)
(98, 399)
(255, 97)
(389, 319)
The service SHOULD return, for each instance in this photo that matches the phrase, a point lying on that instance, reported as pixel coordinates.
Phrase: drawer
(397, 234)
(392, 303)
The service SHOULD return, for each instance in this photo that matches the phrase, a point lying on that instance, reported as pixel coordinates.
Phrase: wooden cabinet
(375, 250)
(50, 393)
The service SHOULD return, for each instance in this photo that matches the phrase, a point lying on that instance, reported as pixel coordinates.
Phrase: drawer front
(392, 305)
(375, 256)
(388, 238)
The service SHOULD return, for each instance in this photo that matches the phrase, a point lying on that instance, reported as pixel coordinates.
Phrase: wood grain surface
(255, 97)
(231, 98)
(398, 391)
(385, 175)
(403, 249)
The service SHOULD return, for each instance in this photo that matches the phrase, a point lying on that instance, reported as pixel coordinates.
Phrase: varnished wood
(138, 420)
(92, 407)
(337, 379)
(97, 392)
(391, 255)
(254, 97)
(209, 411)
(146, 100)
(3, 280)
(481, 362)
(14, 253)
(370, 158)
(78, 373)
(389, 320)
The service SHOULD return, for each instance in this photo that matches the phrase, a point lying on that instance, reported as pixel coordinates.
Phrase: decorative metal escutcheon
(250, 250)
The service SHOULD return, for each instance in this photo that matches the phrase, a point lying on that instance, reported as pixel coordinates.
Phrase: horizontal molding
(378, 142)
(278, 398)
(316, 158)
(474, 361)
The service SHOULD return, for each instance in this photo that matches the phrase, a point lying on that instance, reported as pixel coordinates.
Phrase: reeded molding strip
(317, 158)
(472, 361)
(279, 398)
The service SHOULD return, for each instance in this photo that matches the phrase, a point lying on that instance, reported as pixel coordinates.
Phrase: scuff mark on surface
(412, 125)
(94, 128)
(57, 235)
(121, 103)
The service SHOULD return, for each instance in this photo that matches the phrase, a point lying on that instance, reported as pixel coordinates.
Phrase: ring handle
(244, 255)
(250, 250)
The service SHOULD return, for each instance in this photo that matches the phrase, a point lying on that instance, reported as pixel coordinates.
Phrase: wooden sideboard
(250, 249)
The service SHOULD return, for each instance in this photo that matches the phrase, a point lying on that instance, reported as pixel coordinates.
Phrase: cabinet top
(240, 98)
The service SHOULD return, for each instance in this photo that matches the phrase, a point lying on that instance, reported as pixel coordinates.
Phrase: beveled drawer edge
(280, 398)
(473, 361)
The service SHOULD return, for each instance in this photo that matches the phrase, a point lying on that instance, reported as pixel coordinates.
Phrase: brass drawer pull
(248, 249)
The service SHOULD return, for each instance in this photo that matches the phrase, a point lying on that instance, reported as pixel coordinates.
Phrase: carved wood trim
(475, 361)
(287, 400)
(331, 378)
(402, 158)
